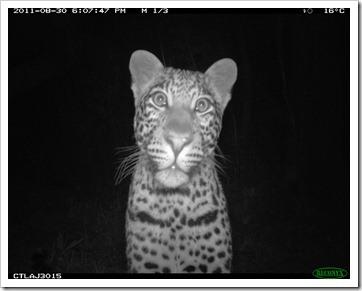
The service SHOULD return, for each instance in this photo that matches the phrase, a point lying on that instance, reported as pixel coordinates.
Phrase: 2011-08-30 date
(87, 10)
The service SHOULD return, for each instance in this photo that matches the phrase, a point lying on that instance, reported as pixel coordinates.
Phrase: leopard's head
(178, 114)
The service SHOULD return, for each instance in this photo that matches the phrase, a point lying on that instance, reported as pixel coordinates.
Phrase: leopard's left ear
(222, 76)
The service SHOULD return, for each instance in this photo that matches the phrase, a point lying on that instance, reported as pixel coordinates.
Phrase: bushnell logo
(330, 273)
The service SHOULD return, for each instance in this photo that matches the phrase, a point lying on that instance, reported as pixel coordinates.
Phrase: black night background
(285, 134)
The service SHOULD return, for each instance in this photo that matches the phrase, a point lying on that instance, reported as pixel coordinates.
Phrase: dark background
(285, 133)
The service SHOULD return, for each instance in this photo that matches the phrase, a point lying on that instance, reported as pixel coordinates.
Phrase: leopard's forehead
(182, 85)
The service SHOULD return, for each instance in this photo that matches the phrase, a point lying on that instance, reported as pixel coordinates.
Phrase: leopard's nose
(178, 141)
(178, 134)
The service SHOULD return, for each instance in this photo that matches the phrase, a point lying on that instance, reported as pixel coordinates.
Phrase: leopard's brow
(183, 82)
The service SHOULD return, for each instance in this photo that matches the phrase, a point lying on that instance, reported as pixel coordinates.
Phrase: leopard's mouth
(172, 177)
(175, 167)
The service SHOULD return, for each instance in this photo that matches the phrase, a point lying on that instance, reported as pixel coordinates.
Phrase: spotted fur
(177, 219)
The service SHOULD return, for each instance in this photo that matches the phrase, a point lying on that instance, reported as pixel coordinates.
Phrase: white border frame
(352, 282)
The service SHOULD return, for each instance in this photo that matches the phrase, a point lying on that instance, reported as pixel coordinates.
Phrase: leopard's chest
(180, 230)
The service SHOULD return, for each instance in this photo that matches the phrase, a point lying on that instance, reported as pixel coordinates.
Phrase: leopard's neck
(202, 191)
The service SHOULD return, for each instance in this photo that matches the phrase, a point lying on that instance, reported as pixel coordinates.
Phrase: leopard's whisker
(217, 164)
(124, 149)
(218, 153)
(126, 165)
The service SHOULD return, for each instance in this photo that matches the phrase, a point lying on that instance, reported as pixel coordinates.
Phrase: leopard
(177, 214)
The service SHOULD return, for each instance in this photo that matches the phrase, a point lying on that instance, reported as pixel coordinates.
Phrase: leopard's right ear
(144, 67)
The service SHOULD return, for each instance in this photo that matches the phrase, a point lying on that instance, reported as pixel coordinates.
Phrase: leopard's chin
(172, 177)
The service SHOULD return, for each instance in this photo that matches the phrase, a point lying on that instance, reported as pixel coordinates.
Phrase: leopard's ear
(222, 76)
(144, 67)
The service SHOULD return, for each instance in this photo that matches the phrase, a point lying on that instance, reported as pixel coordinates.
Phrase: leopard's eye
(202, 105)
(160, 99)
